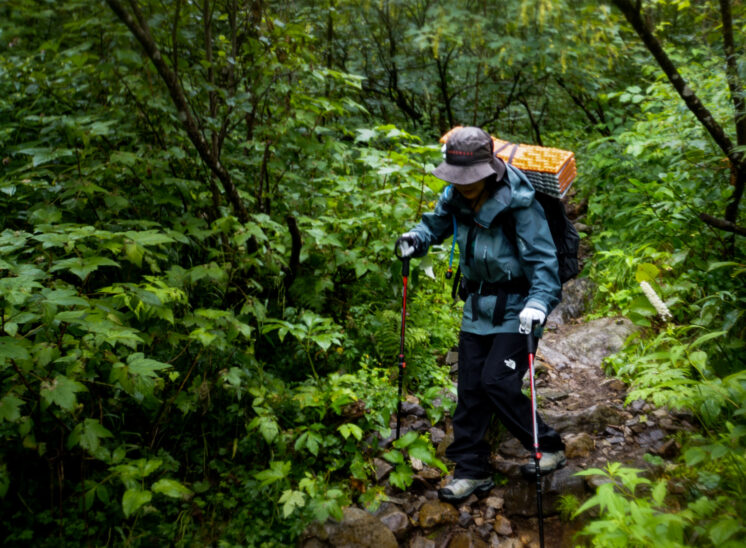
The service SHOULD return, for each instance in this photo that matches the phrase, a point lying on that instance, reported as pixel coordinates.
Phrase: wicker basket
(550, 170)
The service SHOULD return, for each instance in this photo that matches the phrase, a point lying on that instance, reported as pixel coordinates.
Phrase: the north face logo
(510, 364)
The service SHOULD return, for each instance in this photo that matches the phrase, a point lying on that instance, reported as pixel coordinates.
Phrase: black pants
(490, 376)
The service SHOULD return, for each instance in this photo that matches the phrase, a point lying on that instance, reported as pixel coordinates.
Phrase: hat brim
(466, 175)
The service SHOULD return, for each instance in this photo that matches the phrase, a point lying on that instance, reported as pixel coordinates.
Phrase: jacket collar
(495, 204)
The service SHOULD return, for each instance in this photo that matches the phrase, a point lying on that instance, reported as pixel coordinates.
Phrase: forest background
(198, 205)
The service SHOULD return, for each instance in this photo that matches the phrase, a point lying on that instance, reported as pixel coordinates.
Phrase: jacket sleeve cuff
(538, 305)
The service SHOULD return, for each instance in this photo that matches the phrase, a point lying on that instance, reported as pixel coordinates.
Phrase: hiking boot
(459, 489)
(549, 462)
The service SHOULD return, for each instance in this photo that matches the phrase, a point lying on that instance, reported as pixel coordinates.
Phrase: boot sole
(480, 491)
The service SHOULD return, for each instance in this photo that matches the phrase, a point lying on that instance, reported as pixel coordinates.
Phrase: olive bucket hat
(469, 157)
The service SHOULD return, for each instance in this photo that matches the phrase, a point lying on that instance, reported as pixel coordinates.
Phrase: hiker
(509, 284)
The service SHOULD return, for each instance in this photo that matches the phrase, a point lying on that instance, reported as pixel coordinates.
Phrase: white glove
(407, 243)
(527, 318)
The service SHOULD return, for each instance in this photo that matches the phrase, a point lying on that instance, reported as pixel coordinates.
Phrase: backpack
(564, 235)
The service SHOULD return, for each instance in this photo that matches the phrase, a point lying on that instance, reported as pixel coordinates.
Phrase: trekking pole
(532, 344)
(402, 363)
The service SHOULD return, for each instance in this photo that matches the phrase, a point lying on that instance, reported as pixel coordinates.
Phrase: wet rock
(615, 384)
(508, 468)
(529, 539)
(579, 445)
(489, 513)
(668, 424)
(435, 512)
(445, 442)
(436, 435)
(465, 519)
(431, 474)
(494, 502)
(650, 437)
(357, 528)
(485, 530)
(420, 425)
(576, 295)
(661, 412)
(591, 342)
(502, 526)
(669, 449)
(592, 419)
(594, 482)
(383, 468)
(512, 448)
(637, 405)
(411, 408)
(397, 521)
(553, 394)
(421, 542)
(511, 543)
(466, 539)
(520, 496)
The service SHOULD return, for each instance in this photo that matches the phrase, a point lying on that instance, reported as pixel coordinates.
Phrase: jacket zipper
(486, 264)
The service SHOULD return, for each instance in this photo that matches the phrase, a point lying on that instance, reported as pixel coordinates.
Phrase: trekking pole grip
(404, 261)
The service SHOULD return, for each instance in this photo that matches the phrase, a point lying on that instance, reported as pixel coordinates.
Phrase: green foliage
(633, 512)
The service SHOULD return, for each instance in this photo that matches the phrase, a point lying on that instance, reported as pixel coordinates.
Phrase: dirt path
(576, 398)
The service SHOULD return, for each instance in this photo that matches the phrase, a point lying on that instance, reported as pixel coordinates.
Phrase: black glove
(407, 244)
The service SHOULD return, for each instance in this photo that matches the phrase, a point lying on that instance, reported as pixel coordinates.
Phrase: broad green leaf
(88, 434)
(148, 237)
(134, 253)
(133, 499)
(61, 391)
(659, 492)
(646, 272)
(10, 408)
(406, 439)
(351, 429)
(145, 367)
(12, 349)
(401, 477)
(172, 488)
(278, 470)
(63, 297)
(83, 266)
(394, 457)
(724, 529)
(291, 500)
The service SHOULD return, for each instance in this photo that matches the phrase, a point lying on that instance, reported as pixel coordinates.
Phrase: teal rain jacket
(494, 258)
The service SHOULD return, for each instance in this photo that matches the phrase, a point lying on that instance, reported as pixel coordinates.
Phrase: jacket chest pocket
(493, 255)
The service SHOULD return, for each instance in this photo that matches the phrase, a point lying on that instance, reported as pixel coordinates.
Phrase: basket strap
(512, 154)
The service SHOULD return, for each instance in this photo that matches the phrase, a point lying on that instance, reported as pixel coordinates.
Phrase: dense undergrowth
(178, 369)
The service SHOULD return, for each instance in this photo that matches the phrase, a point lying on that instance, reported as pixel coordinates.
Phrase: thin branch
(722, 224)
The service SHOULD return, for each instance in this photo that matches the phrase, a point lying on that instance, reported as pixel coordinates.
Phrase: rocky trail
(576, 398)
